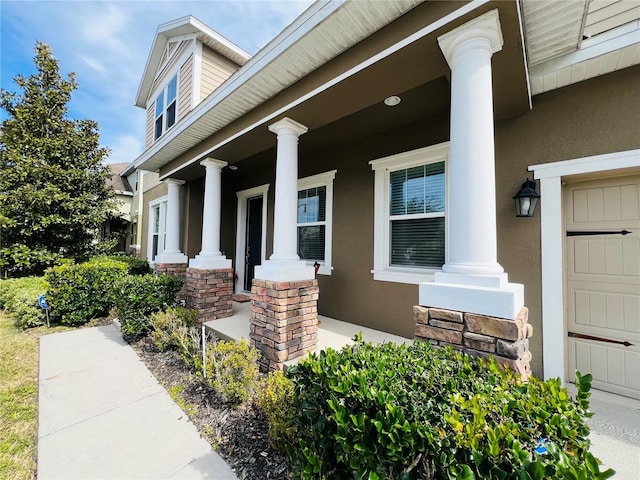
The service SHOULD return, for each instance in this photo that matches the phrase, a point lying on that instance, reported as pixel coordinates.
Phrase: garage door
(602, 221)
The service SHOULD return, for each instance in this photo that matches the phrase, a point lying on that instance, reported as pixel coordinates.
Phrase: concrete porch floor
(332, 333)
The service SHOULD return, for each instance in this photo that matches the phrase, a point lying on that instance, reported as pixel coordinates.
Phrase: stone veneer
(209, 292)
(284, 320)
(178, 269)
(506, 340)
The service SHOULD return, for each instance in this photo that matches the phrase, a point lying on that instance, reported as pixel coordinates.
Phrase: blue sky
(106, 43)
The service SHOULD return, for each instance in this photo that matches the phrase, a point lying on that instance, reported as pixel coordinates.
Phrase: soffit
(354, 107)
(569, 41)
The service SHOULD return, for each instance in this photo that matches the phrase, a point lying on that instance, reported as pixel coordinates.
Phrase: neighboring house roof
(119, 184)
(553, 33)
(182, 27)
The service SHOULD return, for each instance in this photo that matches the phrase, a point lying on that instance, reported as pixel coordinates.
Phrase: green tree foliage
(53, 196)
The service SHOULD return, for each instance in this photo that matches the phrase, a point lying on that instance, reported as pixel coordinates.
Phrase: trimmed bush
(275, 398)
(140, 296)
(135, 266)
(414, 412)
(79, 292)
(19, 298)
(232, 369)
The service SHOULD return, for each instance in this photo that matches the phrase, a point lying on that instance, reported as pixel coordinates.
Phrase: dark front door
(253, 253)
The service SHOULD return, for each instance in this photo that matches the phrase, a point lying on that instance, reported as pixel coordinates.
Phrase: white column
(210, 257)
(172, 253)
(284, 264)
(472, 280)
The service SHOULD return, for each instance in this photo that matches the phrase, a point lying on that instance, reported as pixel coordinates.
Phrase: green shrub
(19, 298)
(169, 326)
(140, 296)
(79, 292)
(275, 398)
(135, 266)
(232, 369)
(409, 412)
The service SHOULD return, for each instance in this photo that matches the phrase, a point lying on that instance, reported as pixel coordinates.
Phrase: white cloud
(125, 149)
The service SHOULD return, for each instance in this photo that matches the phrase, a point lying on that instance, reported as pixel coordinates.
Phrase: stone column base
(284, 320)
(209, 293)
(177, 269)
(480, 335)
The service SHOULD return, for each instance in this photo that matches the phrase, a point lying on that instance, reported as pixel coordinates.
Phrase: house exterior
(383, 142)
(119, 226)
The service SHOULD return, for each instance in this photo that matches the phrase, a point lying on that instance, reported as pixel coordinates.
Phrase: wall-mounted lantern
(526, 199)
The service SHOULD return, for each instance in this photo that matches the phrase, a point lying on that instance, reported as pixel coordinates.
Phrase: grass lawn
(19, 398)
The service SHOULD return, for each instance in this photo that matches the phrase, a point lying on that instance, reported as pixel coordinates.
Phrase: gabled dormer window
(166, 106)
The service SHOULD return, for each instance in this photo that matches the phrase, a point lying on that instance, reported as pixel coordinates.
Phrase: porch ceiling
(353, 108)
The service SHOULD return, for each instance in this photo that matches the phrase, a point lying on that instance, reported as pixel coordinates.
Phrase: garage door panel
(614, 368)
(630, 202)
(602, 313)
(604, 259)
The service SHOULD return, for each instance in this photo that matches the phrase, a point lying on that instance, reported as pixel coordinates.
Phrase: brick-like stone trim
(209, 292)
(505, 340)
(284, 320)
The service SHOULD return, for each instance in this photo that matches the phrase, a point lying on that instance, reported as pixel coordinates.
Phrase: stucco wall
(597, 116)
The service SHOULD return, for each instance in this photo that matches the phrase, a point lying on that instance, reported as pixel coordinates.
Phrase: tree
(53, 196)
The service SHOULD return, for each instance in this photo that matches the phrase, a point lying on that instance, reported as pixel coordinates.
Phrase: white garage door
(602, 220)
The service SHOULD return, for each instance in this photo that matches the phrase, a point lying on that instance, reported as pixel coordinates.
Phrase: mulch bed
(238, 434)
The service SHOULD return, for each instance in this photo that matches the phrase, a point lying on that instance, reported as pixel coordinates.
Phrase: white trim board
(551, 233)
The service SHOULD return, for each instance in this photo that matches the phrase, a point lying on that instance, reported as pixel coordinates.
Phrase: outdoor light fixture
(526, 199)
(392, 101)
(233, 167)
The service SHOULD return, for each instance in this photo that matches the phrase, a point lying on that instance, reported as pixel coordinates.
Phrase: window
(157, 232)
(410, 215)
(166, 105)
(315, 205)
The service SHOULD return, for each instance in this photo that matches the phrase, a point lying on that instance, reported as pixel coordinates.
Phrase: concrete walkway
(103, 415)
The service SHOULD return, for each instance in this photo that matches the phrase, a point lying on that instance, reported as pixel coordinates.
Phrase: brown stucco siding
(185, 87)
(597, 116)
(215, 70)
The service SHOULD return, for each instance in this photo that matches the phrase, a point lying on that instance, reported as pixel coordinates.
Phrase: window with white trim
(166, 108)
(410, 215)
(315, 215)
(157, 230)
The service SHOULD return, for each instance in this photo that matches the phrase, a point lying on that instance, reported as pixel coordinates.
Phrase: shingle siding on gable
(185, 87)
(215, 70)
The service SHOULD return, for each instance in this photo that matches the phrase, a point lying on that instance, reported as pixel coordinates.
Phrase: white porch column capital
(285, 264)
(210, 257)
(286, 125)
(484, 28)
(212, 162)
(172, 253)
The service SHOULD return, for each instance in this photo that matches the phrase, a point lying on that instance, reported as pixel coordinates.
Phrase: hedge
(19, 298)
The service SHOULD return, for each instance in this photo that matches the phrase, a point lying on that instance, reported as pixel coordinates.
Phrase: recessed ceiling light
(392, 101)
(233, 167)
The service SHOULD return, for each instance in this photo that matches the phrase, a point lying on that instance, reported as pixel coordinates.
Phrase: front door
(602, 221)
(253, 249)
